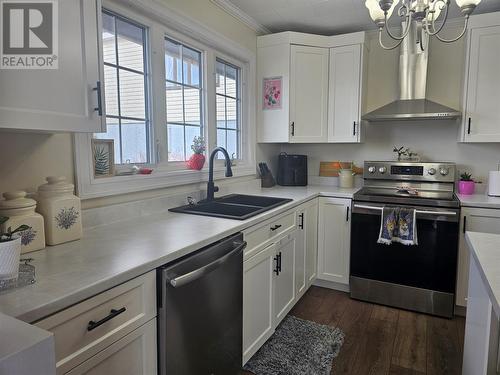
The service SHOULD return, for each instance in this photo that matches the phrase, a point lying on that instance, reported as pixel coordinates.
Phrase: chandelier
(424, 13)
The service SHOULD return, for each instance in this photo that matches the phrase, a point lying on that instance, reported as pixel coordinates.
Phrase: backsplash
(433, 140)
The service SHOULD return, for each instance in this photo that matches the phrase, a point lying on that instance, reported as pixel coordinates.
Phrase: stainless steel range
(420, 277)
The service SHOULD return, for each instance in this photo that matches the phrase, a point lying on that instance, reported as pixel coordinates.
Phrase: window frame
(148, 122)
(212, 45)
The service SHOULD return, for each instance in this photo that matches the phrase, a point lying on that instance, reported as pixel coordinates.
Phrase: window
(126, 87)
(228, 102)
(167, 80)
(183, 99)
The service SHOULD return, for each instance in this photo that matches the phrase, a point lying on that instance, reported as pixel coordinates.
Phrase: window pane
(231, 113)
(231, 81)
(132, 94)
(175, 136)
(174, 103)
(191, 66)
(113, 132)
(192, 107)
(108, 39)
(173, 61)
(232, 143)
(130, 45)
(221, 139)
(191, 132)
(220, 78)
(111, 90)
(134, 138)
(125, 91)
(221, 111)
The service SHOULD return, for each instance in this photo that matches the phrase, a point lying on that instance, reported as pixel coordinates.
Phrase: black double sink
(233, 206)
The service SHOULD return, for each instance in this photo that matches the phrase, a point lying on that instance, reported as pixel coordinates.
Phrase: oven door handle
(426, 212)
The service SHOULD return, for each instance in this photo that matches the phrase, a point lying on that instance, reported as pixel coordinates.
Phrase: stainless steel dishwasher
(200, 305)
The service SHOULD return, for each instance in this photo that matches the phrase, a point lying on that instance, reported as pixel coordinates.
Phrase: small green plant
(101, 161)
(198, 145)
(7, 236)
(466, 177)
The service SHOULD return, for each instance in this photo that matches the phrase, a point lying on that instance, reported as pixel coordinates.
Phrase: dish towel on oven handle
(398, 225)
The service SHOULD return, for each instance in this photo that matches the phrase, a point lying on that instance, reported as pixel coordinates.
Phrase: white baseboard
(331, 285)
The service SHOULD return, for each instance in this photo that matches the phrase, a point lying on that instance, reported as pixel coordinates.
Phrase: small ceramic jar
(21, 211)
(61, 210)
(346, 178)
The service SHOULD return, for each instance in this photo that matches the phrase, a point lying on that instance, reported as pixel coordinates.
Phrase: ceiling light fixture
(424, 13)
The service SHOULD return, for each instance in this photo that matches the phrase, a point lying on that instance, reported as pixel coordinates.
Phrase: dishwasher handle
(179, 281)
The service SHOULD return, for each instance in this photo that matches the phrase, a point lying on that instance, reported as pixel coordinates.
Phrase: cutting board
(331, 168)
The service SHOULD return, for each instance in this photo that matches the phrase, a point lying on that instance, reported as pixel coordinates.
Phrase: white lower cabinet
(112, 329)
(133, 354)
(275, 277)
(258, 300)
(334, 240)
(481, 351)
(284, 278)
(484, 220)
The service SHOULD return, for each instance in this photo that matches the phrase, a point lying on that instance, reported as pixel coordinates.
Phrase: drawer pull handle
(275, 227)
(112, 314)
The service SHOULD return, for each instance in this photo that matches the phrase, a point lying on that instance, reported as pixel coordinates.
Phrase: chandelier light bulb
(376, 13)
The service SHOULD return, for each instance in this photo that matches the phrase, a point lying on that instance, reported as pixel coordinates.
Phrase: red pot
(196, 162)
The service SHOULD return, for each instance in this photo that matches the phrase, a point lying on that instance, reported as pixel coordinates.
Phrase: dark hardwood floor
(383, 340)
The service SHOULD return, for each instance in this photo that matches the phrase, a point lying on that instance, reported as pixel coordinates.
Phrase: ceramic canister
(61, 210)
(21, 211)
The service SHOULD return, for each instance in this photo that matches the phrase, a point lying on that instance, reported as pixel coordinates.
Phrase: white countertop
(485, 248)
(481, 200)
(112, 254)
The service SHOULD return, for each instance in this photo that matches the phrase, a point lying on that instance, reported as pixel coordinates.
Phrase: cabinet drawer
(85, 329)
(258, 238)
(134, 354)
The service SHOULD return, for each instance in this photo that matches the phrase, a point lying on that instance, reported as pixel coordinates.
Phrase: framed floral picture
(272, 93)
(103, 157)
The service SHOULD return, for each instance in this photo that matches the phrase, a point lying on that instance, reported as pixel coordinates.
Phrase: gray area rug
(298, 347)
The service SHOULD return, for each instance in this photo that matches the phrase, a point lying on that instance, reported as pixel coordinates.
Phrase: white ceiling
(324, 16)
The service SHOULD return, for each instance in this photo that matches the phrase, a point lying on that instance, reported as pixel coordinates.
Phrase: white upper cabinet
(65, 99)
(344, 104)
(481, 120)
(308, 94)
(312, 105)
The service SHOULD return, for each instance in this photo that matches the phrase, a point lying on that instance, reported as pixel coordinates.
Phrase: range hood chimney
(412, 103)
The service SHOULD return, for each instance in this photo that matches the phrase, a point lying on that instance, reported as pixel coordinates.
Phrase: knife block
(267, 180)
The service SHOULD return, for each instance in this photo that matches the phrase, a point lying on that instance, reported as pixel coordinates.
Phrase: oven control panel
(413, 171)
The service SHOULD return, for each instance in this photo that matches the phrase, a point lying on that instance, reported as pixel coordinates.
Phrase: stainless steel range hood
(412, 103)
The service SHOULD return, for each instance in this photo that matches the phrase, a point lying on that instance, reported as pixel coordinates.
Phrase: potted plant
(197, 160)
(10, 250)
(466, 184)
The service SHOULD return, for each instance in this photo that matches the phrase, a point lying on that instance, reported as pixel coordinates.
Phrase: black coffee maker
(292, 170)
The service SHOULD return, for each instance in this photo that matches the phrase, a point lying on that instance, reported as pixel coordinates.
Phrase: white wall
(433, 140)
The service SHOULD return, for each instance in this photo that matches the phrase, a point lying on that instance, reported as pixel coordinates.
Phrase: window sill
(103, 187)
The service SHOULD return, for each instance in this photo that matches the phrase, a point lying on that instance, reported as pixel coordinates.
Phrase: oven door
(430, 266)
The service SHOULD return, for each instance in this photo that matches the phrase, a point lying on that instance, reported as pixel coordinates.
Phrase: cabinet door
(482, 112)
(308, 94)
(284, 281)
(60, 99)
(344, 102)
(134, 354)
(300, 253)
(477, 326)
(484, 220)
(334, 239)
(258, 300)
(311, 230)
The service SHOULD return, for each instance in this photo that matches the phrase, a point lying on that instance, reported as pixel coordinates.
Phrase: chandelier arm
(382, 44)
(458, 37)
(404, 34)
(445, 18)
